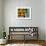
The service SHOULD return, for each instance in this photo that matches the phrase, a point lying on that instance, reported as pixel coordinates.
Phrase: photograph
(23, 12)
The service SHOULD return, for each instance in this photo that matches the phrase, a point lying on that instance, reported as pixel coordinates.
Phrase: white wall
(0, 18)
(37, 15)
(45, 19)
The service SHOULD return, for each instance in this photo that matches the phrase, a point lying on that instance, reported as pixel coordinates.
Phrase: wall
(37, 15)
(0, 18)
(45, 19)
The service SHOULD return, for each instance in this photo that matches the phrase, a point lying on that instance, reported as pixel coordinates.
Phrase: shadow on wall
(1, 34)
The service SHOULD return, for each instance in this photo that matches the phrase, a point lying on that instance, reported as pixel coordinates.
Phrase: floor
(21, 45)
(25, 43)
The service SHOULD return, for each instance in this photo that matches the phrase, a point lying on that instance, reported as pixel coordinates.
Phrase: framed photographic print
(23, 13)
